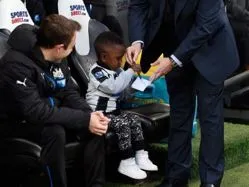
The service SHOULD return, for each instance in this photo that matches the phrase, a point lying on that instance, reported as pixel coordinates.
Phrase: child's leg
(122, 130)
(137, 138)
(119, 125)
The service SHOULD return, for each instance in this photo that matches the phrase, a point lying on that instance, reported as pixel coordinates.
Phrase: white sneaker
(143, 161)
(129, 168)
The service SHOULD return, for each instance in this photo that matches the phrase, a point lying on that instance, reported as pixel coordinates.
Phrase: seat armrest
(152, 108)
(154, 111)
(145, 120)
(20, 146)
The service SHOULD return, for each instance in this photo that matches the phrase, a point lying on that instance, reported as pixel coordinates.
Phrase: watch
(173, 62)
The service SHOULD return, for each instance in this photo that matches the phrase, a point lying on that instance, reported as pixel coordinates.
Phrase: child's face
(112, 56)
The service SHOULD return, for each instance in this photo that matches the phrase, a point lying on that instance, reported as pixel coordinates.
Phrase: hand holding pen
(137, 69)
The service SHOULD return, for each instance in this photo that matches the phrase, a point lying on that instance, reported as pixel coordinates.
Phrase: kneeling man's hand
(164, 66)
(98, 123)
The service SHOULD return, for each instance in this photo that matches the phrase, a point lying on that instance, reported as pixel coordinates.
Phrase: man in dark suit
(199, 54)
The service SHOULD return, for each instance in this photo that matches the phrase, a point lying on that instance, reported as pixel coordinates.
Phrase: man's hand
(136, 68)
(132, 53)
(164, 67)
(98, 123)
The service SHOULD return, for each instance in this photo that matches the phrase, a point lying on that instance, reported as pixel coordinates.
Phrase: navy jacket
(202, 29)
(34, 90)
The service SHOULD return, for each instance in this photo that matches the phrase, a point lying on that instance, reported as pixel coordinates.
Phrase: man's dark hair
(105, 39)
(56, 29)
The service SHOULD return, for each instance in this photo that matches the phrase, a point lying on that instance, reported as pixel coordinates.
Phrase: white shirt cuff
(138, 41)
(179, 63)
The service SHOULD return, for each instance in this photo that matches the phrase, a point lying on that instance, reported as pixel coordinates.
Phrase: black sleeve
(70, 97)
(52, 101)
(33, 108)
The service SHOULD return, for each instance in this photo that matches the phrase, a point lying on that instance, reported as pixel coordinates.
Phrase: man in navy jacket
(199, 54)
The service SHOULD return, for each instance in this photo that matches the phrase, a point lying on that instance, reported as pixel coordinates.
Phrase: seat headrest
(76, 10)
(83, 63)
(12, 14)
(23, 37)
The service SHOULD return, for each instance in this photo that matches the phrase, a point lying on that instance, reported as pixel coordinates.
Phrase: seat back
(84, 55)
(12, 14)
(36, 10)
(119, 10)
(113, 13)
(83, 63)
(4, 35)
(76, 10)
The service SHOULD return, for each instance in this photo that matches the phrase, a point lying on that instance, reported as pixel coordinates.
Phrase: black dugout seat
(237, 98)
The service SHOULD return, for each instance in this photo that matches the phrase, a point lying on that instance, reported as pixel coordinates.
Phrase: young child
(107, 81)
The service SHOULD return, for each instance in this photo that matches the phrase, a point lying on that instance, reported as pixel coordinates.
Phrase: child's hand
(136, 68)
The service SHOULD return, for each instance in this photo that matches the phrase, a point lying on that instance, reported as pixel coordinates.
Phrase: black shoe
(174, 183)
(209, 185)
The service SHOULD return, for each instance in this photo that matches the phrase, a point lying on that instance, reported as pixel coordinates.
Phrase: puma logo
(22, 83)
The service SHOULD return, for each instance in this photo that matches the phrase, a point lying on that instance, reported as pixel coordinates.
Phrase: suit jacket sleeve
(137, 19)
(30, 106)
(210, 18)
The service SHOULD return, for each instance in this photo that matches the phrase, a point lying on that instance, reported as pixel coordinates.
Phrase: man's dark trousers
(90, 159)
(183, 86)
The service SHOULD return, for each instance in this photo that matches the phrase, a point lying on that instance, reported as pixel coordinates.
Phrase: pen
(139, 75)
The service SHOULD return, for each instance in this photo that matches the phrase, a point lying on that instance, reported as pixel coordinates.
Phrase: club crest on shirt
(99, 75)
(57, 73)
